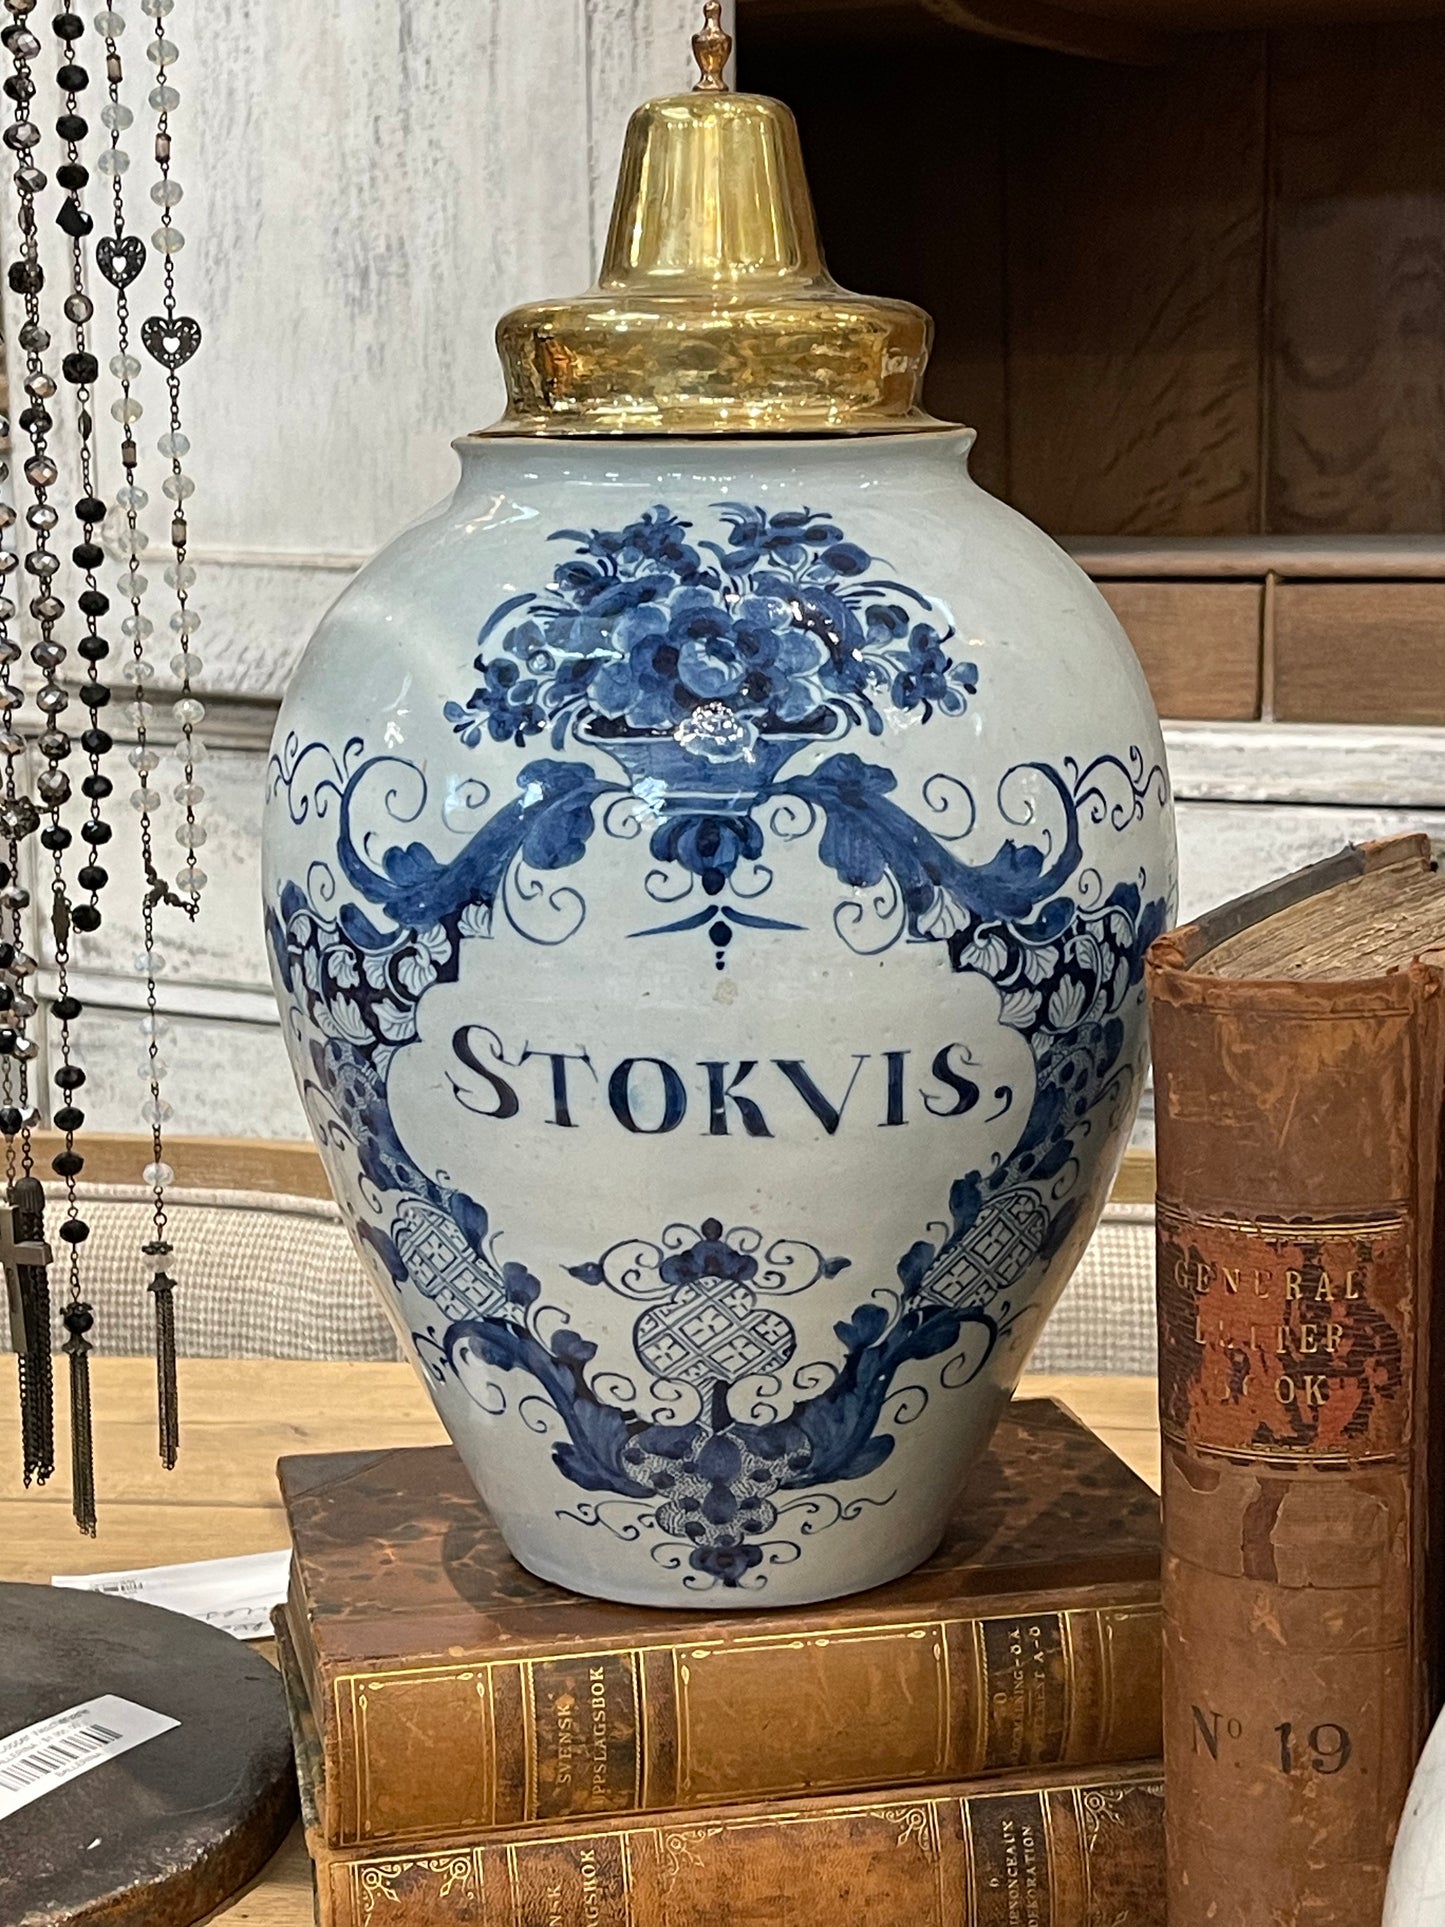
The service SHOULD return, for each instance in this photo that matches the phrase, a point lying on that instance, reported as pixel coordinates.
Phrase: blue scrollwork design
(701, 679)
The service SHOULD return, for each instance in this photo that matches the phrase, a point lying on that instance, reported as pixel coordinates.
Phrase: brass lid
(714, 313)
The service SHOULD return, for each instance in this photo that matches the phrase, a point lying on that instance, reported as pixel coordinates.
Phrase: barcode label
(42, 1757)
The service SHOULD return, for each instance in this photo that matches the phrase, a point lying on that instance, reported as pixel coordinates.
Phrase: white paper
(235, 1594)
(42, 1757)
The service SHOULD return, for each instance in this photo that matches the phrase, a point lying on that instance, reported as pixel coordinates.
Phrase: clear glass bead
(189, 713)
(141, 671)
(146, 800)
(112, 160)
(142, 759)
(156, 1111)
(124, 367)
(185, 663)
(116, 116)
(148, 963)
(126, 409)
(173, 442)
(129, 495)
(134, 625)
(152, 1070)
(195, 750)
(185, 622)
(180, 575)
(132, 587)
(157, 9)
(189, 879)
(160, 1174)
(168, 193)
(164, 98)
(178, 487)
(168, 240)
(141, 714)
(162, 52)
(132, 541)
(190, 836)
(190, 793)
(109, 24)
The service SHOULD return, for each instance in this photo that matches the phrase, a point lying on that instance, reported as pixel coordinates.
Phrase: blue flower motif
(786, 631)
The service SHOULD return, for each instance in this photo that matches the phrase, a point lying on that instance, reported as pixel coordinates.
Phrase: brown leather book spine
(440, 1747)
(1297, 1154)
(1062, 1853)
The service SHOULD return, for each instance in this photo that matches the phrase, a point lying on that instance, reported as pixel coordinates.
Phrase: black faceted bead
(55, 836)
(80, 367)
(72, 79)
(9, 1120)
(7, 997)
(67, 1164)
(69, 1077)
(69, 26)
(92, 602)
(85, 917)
(7, 955)
(87, 555)
(96, 832)
(90, 509)
(26, 277)
(8, 1041)
(78, 1318)
(94, 695)
(96, 787)
(19, 87)
(93, 648)
(73, 220)
(67, 1008)
(90, 876)
(36, 419)
(71, 175)
(96, 742)
(67, 1118)
(71, 127)
(157, 1248)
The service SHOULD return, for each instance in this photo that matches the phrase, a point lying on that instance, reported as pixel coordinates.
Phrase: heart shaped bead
(172, 340)
(120, 258)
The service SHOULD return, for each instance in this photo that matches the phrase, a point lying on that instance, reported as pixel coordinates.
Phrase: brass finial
(711, 49)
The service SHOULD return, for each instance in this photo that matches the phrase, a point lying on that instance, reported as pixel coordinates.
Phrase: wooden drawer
(1199, 643)
(1360, 652)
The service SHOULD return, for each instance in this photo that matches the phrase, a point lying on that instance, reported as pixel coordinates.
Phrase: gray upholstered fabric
(260, 1276)
(1105, 1320)
(263, 1276)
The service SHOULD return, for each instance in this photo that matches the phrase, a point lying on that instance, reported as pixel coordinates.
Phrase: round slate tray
(164, 1833)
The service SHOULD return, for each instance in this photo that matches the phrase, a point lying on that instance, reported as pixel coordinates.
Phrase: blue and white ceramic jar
(708, 876)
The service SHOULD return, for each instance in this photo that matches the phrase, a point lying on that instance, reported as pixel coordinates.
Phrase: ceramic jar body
(707, 886)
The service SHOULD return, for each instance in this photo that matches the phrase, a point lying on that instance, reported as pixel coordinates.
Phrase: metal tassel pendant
(78, 1319)
(25, 1256)
(167, 1399)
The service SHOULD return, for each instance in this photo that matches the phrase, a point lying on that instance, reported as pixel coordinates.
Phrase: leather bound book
(1080, 1849)
(1299, 1061)
(455, 1692)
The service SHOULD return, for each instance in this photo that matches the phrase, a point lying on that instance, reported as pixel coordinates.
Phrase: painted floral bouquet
(776, 632)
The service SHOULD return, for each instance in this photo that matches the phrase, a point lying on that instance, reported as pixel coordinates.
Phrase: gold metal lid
(714, 313)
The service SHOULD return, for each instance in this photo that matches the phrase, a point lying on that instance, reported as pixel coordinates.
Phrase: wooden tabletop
(238, 1417)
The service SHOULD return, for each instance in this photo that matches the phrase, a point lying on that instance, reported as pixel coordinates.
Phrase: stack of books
(975, 1743)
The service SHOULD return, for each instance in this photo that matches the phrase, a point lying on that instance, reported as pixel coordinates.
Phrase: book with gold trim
(1070, 1849)
(454, 1692)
